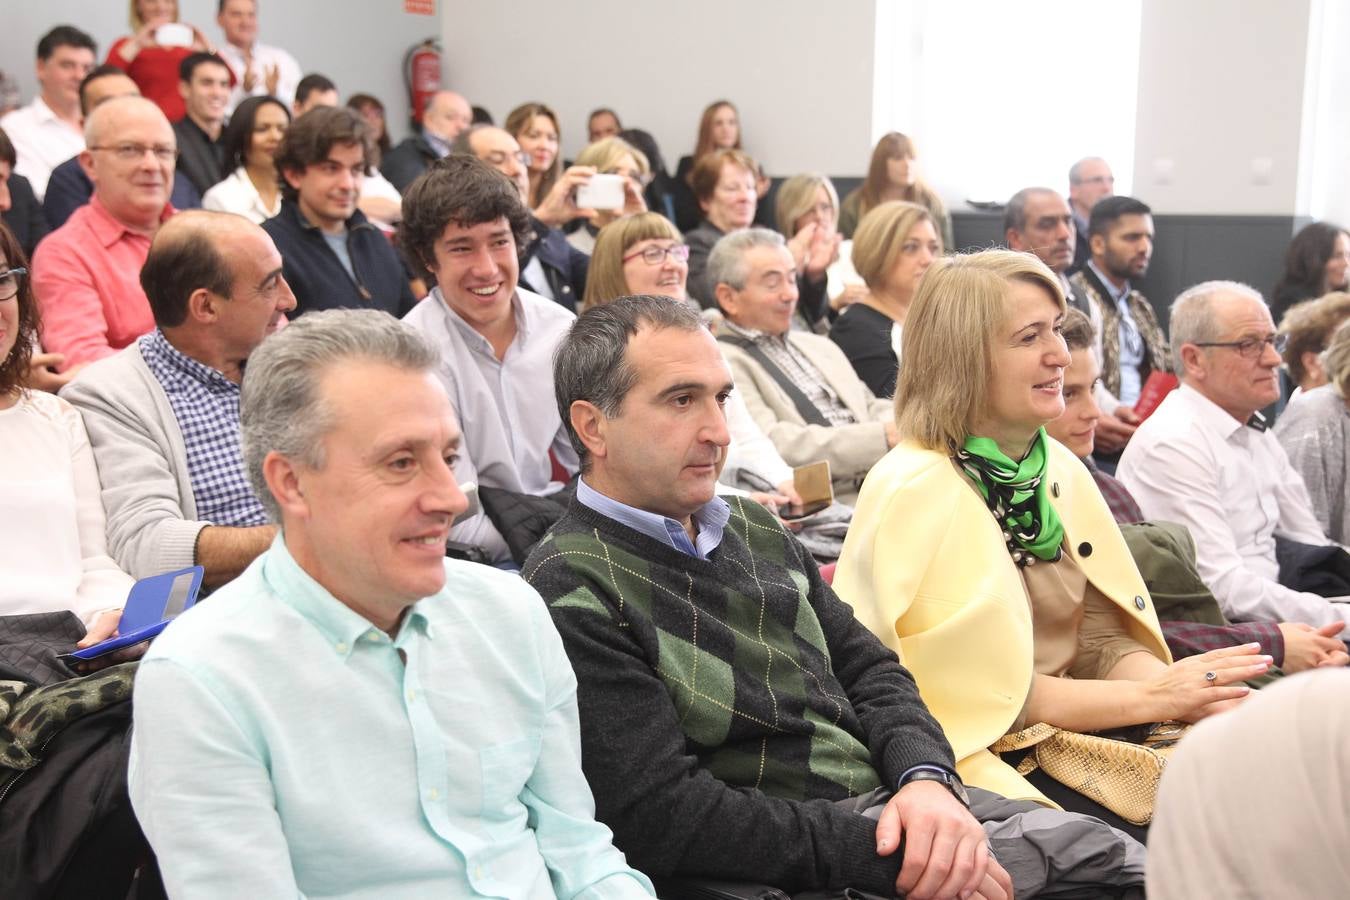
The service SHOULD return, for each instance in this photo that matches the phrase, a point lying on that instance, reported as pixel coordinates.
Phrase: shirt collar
(212, 379)
(338, 623)
(1116, 295)
(1211, 415)
(753, 334)
(436, 143)
(711, 519)
(42, 111)
(473, 338)
(108, 229)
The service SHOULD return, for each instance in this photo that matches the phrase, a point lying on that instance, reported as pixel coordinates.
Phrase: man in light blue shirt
(355, 715)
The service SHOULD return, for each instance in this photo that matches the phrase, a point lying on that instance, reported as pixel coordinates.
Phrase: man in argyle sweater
(737, 721)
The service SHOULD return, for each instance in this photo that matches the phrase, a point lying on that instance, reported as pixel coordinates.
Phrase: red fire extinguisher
(422, 75)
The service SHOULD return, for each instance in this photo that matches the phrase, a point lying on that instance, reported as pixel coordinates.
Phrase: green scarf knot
(1015, 493)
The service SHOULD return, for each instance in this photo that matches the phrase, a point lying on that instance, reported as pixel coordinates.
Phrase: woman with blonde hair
(151, 54)
(982, 552)
(893, 248)
(1315, 431)
(893, 174)
(612, 156)
(807, 213)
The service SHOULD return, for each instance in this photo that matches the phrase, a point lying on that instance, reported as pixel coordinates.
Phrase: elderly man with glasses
(86, 273)
(1206, 460)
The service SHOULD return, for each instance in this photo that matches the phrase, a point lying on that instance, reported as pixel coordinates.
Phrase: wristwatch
(943, 777)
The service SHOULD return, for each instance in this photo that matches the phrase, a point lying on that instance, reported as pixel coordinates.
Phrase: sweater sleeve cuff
(862, 867)
(177, 545)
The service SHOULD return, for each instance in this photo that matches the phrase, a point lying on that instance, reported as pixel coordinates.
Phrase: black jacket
(564, 266)
(404, 163)
(24, 216)
(317, 276)
(200, 159)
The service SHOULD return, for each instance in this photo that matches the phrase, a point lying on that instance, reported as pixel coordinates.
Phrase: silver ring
(1210, 677)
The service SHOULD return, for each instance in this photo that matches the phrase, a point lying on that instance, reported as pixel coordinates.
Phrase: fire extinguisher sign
(420, 7)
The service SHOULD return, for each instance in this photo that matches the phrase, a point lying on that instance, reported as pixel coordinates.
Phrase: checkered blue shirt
(206, 405)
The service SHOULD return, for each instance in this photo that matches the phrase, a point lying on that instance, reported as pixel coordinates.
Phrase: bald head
(215, 285)
(496, 147)
(130, 157)
(446, 115)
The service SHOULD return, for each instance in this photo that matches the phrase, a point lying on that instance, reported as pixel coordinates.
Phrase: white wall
(360, 44)
(800, 71)
(1220, 109)
(1325, 191)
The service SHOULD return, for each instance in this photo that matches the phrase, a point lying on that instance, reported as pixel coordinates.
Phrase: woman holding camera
(151, 54)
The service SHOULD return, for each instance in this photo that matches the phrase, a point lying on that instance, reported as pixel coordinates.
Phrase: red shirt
(86, 275)
(155, 71)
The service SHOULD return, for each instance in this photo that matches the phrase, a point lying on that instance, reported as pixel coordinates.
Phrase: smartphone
(173, 34)
(795, 511)
(153, 603)
(601, 192)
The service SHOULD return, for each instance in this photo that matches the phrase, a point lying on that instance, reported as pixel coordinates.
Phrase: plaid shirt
(206, 405)
(800, 371)
(1188, 638)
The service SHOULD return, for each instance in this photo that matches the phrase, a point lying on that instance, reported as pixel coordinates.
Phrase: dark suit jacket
(200, 159)
(24, 216)
(564, 266)
(404, 163)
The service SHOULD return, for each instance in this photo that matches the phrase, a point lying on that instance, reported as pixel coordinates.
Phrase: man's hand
(1306, 647)
(788, 489)
(272, 77)
(946, 850)
(1114, 430)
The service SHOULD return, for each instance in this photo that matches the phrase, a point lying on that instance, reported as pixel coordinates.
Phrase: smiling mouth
(486, 291)
(1055, 384)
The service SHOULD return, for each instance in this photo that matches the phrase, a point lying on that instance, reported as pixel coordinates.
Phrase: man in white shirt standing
(50, 130)
(1205, 459)
(259, 69)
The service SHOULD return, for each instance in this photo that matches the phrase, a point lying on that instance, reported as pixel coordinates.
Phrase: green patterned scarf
(1015, 493)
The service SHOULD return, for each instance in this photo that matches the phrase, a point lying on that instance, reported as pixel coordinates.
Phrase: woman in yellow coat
(982, 552)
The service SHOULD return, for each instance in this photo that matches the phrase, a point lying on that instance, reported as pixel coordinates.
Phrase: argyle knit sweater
(726, 702)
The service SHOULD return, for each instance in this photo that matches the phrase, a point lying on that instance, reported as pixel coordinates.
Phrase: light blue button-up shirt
(1131, 352)
(284, 748)
(711, 520)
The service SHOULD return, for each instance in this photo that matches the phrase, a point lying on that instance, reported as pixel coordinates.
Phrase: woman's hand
(199, 41)
(559, 206)
(1185, 690)
(141, 40)
(852, 293)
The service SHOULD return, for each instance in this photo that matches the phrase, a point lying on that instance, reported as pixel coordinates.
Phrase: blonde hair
(948, 342)
(605, 154)
(134, 15)
(797, 197)
(1336, 360)
(604, 279)
(880, 237)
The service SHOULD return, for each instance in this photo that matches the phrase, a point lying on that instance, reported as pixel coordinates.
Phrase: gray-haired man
(377, 720)
(800, 388)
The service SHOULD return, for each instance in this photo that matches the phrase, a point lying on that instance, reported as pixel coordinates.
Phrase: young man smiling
(204, 83)
(464, 221)
(335, 258)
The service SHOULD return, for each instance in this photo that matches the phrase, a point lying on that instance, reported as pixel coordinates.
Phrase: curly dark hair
(238, 135)
(14, 367)
(310, 137)
(462, 190)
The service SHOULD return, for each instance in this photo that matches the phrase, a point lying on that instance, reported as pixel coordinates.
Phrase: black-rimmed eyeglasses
(1251, 348)
(9, 282)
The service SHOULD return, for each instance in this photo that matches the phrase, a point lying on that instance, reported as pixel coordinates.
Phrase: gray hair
(1015, 213)
(591, 363)
(1192, 319)
(280, 407)
(1076, 170)
(726, 263)
(1336, 359)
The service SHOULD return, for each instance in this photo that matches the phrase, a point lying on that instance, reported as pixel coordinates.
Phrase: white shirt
(506, 408)
(750, 449)
(53, 549)
(377, 186)
(1233, 487)
(41, 142)
(264, 57)
(236, 194)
